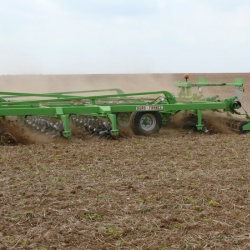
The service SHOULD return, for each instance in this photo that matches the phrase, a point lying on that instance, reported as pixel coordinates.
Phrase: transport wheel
(123, 119)
(145, 123)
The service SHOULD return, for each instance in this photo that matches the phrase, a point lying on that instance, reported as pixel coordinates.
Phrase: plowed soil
(172, 190)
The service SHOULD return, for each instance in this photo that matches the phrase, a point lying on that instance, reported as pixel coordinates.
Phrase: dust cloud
(60, 83)
(211, 120)
(127, 82)
(14, 132)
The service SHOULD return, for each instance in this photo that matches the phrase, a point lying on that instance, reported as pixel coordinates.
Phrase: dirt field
(173, 190)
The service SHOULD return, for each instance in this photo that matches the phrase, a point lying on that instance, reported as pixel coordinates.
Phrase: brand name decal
(139, 108)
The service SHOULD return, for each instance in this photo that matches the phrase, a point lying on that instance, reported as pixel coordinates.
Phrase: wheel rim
(148, 122)
(123, 119)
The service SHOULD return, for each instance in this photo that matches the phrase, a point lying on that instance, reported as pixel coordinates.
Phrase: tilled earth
(173, 190)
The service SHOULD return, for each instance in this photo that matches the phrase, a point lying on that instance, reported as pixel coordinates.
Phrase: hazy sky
(124, 36)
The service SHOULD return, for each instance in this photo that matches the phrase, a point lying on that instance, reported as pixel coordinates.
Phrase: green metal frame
(63, 104)
(186, 88)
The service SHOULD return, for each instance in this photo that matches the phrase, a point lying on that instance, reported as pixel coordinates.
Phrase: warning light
(186, 76)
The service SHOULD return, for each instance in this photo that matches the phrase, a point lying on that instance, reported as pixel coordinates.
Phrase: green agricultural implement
(103, 114)
(186, 92)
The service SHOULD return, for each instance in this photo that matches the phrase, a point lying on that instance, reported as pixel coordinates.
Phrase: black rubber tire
(153, 119)
(233, 105)
(123, 119)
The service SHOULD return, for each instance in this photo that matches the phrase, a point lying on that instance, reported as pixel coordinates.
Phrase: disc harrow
(92, 126)
(101, 115)
(43, 125)
(88, 124)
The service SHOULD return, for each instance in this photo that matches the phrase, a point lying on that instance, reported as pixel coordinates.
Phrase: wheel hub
(148, 122)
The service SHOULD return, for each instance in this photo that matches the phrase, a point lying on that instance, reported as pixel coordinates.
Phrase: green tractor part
(186, 93)
(102, 115)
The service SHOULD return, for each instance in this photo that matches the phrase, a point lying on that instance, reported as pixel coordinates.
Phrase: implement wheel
(145, 123)
(123, 119)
